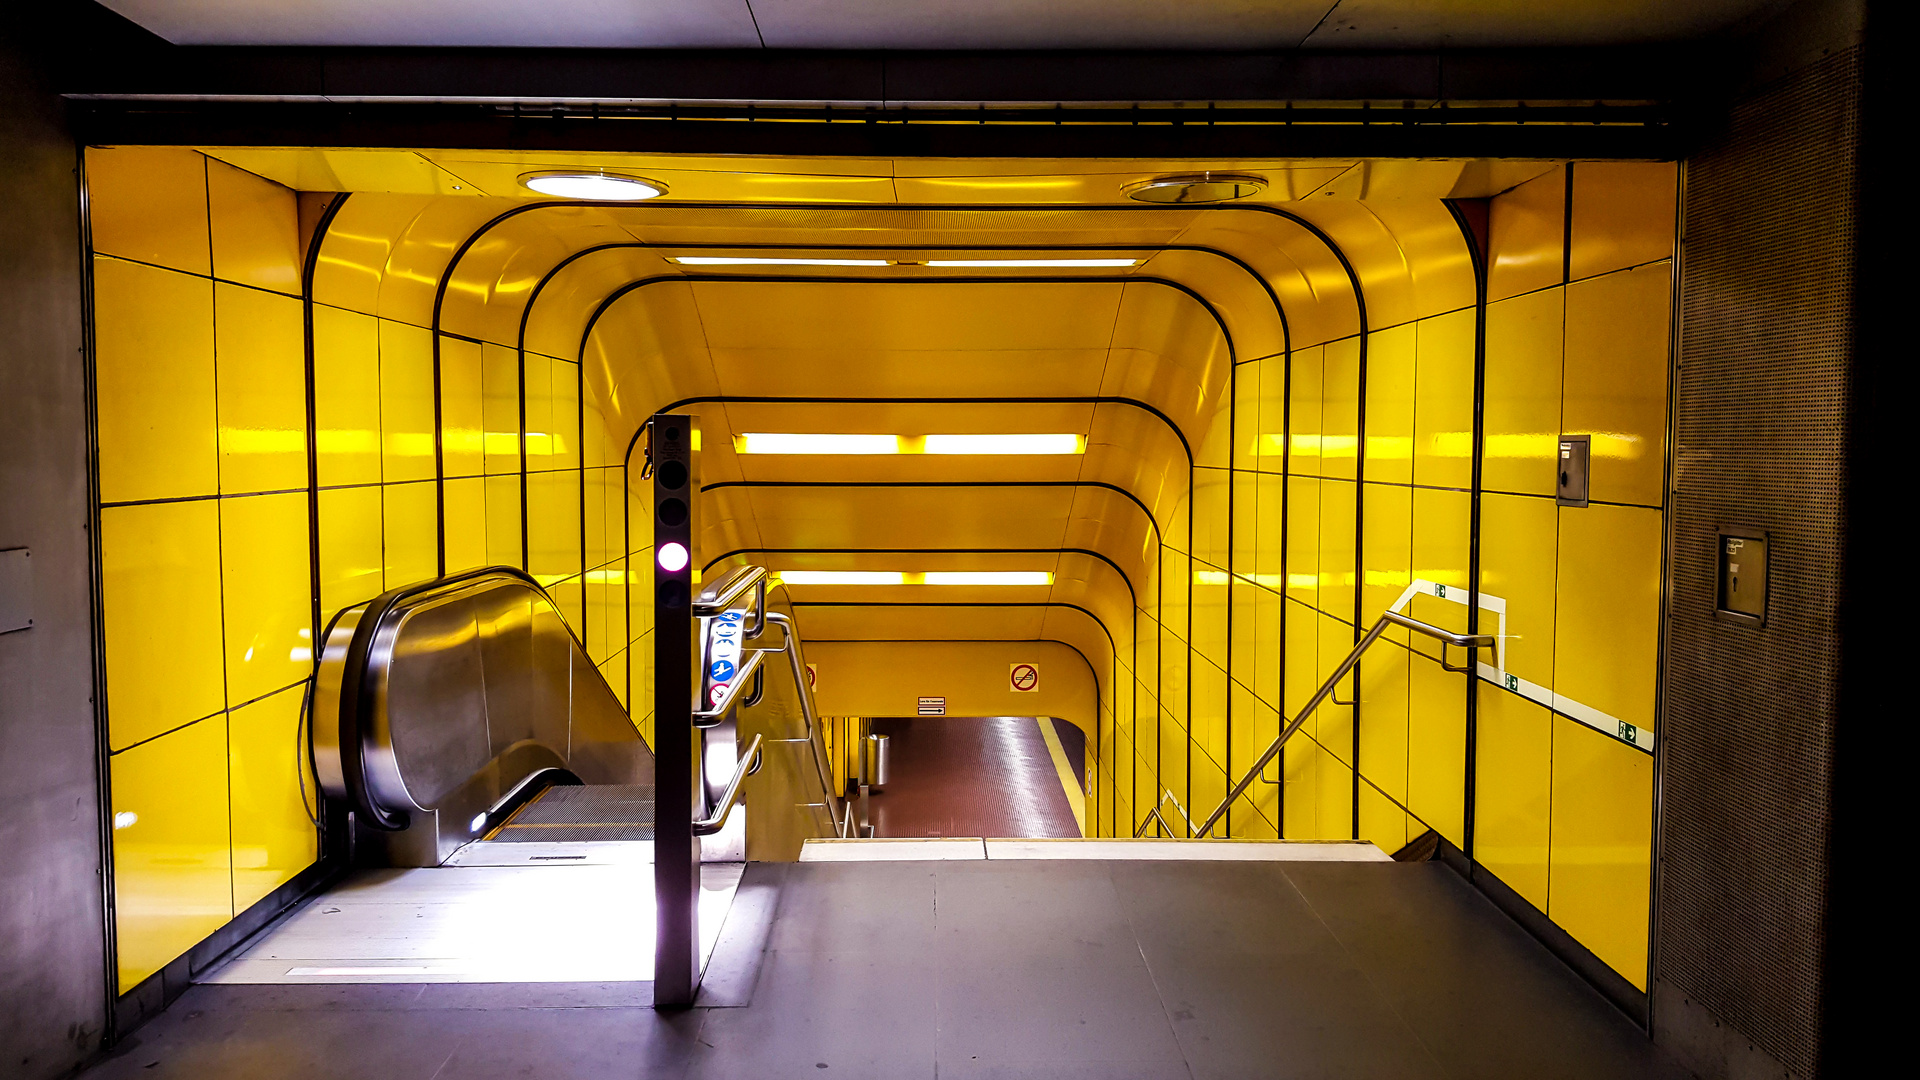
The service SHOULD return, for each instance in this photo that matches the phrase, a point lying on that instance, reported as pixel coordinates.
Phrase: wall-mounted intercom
(1742, 588)
(1573, 470)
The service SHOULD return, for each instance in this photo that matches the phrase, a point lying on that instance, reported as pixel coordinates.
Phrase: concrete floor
(1053, 969)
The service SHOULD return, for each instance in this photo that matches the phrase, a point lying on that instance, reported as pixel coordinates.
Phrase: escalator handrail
(358, 695)
(796, 664)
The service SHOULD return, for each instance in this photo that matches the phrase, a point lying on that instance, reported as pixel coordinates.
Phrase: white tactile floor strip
(1159, 850)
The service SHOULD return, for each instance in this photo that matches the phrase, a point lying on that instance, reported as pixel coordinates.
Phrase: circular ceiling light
(594, 186)
(1206, 187)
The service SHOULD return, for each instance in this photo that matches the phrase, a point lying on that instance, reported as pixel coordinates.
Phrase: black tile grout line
(224, 711)
(219, 533)
(342, 487)
(208, 277)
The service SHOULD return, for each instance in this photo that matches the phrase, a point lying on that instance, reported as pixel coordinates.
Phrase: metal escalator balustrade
(1469, 642)
(440, 708)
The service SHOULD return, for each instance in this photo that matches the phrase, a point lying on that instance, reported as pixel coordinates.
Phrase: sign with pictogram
(933, 706)
(1024, 678)
(813, 677)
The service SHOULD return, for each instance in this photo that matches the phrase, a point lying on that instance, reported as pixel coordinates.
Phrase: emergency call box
(1572, 489)
(1743, 576)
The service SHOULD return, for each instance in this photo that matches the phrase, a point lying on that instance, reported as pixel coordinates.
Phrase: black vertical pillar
(676, 859)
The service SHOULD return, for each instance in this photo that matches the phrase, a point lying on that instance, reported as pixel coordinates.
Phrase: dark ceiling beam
(485, 127)
(609, 75)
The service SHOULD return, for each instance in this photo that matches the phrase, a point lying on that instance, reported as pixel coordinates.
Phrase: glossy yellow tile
(1385, 706)
(1443, 406)
(462, 424)
(268, 589)
(1513, 790)
(553, 525)
(274, 796)
(261, 389)
(500, 407)
(351, 559)
(1607, 629)
(1601, 845)
(1623, 215)
(1390, 405)
(149, 204)
(1525, 338)
(1340, 408)
(346, 396)
(466, 524)
(1337, 523)
(160, 581)
(1616, 379)
(1442, 522)
(1437, 747)
(1388, 549)
(1382, 822)
(406, 402)
(154, 383)
(412, 536)
(1527, 235)
(255, 230)
(563, 431)
(1519, 568)
(505, 544)
(172, 870)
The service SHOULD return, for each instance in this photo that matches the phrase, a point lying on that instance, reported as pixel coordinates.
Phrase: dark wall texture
(52, 997)
(1763, 723)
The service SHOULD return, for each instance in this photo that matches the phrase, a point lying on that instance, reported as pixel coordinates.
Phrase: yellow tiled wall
(207, 587)
(1576, 343)
(209, 606)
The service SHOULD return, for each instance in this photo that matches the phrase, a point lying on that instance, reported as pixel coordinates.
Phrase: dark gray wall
(52, 999)
(1765, 419)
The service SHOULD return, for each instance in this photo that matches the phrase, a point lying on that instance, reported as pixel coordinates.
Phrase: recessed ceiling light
(1033, 262)
(741, 260)
(594, 186)
(1206, 187)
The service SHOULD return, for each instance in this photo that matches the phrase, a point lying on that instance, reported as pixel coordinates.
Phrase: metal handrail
(713, 716)
(1386, 619)
(748, 764)
(720, 595)
(1154, 815)
(836, 809)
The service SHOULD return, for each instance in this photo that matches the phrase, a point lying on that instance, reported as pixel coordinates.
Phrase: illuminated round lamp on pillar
(593, 186)
(1192, 188)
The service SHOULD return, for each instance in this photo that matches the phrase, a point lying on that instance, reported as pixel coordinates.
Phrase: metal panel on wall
(1760, 429)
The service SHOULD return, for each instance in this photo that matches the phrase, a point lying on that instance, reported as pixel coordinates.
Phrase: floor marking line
(1076, 798)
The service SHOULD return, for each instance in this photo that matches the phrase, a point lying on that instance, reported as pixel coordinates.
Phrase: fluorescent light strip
(1033, 262)
(766, 442)
(769, 442)
(1005, 444)
(740, 260)
(908, 577)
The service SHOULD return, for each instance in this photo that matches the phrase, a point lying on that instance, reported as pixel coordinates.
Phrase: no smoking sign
(1024, 678)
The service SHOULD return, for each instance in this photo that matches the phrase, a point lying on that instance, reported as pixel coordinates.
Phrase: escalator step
(582, 813)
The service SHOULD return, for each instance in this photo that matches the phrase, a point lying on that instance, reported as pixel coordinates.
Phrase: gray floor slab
(1133, 969)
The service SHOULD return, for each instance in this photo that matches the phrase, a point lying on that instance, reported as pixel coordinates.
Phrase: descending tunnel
(1177, 457)
(1338, 538)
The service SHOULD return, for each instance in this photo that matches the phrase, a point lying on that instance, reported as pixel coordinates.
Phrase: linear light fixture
(767, 442)
(742, 260)
(775, 442)
(1005, 444)
(911, 577)
(1033, 262)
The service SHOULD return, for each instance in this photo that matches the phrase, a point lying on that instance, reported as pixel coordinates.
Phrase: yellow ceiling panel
(919, 622)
